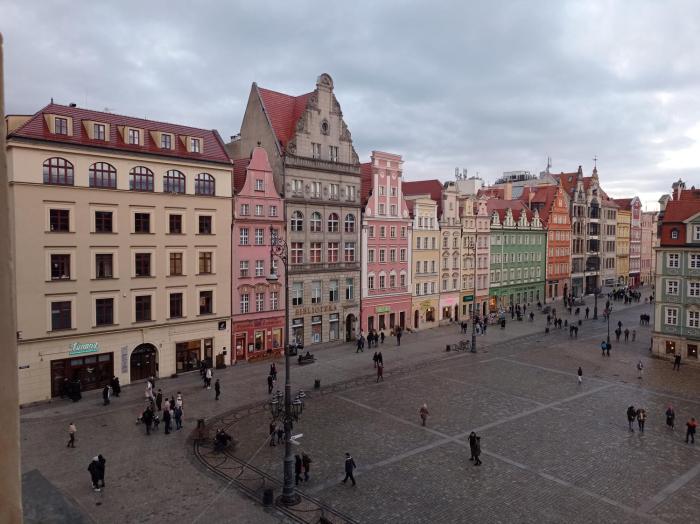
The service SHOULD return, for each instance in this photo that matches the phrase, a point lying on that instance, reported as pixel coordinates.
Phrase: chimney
(508, 191)
(530, 196)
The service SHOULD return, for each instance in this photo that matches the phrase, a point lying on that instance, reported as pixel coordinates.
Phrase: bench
(306, 359)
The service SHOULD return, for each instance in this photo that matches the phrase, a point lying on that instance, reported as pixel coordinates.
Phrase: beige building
(123, 229)
(425, 255)
(317, 171)
(476, 254)
(624, 218)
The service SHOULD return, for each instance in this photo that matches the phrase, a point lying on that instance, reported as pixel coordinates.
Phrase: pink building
(257, 306)
(386, 239)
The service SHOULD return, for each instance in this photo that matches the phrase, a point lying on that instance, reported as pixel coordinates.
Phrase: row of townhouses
(145, 247)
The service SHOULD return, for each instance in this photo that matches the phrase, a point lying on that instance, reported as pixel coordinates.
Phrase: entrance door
(143, 362)
(402, 319)
(240, 346)
(416, 315)
(59, 376)
(350, 328)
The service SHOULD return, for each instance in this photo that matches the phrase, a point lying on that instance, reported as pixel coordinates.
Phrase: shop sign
(222, 325)
(81, 349)
(467, 298)
(312, 310)
(426, 304)
(448, 301)
(382, 309)
(24, 366)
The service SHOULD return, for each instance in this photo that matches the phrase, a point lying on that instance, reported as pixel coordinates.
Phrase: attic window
(325, 128)
(674, 234)
(134, 137)
(61, 126)
(195, 145)
(166, 141)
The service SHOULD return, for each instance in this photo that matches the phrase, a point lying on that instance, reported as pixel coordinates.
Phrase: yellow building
(622, 243)
(425, 258)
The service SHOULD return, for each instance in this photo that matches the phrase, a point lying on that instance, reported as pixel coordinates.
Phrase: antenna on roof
(52, 100)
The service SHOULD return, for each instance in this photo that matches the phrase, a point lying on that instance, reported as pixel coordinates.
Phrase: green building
(518, 255)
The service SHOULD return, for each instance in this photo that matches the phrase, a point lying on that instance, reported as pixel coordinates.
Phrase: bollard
(268, 497)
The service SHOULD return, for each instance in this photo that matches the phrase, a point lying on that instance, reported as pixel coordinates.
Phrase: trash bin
(268, 497)
(447, 347)
(317, 383)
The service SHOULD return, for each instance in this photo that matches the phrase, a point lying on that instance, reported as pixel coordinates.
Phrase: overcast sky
(490, 88)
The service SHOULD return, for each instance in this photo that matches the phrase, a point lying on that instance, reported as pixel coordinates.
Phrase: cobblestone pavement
(553, 450)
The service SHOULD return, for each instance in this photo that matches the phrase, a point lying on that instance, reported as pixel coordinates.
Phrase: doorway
(350, 328)
(143, 362)
(240, 345)
(416, 315)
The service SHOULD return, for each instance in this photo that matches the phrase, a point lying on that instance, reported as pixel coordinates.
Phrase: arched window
(349, 223)
(315, 222)
(204, 184)
(58, 171)
(297, 221)
(103, 174)
(141, 179)
(174, 182)
(333, 220)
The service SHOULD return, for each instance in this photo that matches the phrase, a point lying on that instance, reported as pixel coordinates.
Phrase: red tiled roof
(623, 203)
(410, 204)
(687, 205)
(540, 195)
(283, 111)
(240, 169)
(491, 192)
(430, 188)
(36, 128)
(500, 206)
(365, 182)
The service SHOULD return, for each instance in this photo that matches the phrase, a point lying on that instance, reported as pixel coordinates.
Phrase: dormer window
(325, 128)
(166, 141)
(259, 184)
(674, 234)
(195, 146)
(99, 132)
(134, 137)
(61, 126)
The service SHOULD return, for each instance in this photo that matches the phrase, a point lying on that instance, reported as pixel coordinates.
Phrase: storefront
(425, 313)
(449, 308)
(386, 313)
(93, 371)
(319, 323)
(467, 306)
(188, 355)
(254, 339)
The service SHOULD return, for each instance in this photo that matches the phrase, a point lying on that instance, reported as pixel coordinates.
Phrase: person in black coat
(472, 444)
(116, 387)
(477, 452)
(101, 470)
(349, 468)
(94, 469)
(105, 395)
(217, 389)
(269, 383)
(147, 419)
(167, 420)
(297, 469)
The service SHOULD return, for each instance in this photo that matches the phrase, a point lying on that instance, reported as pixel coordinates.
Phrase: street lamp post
(472, 248)
(279, 249)
(595, 304)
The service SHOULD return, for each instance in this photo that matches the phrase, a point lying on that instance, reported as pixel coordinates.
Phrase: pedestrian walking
(178, 416)
(423, 413)
(166, 405)
(677, 362)
(692, 427)
(380, 372)
(603, 346)
(580, 375)
(359, 344)
(306, 460)
(349, 468)
(167, 419)
(477, 452)
(631, 415)
(297, 469)
(101, 467)
(269, 384)
(640, 369)
(608, 345)
(280, 435)
(94, 469)
(375, 358)
(273, 430)
(217, 389)
(273, 371)
(587, 311)
(159, 400)
(627, 335)
(209, 374)
(147, 418)
(618, 332)
(398, 336)
(472, 445)
(116, 387)
(641, 419)
(634, 335)
(381, 337)
(178, 401)
(105, 395)
(71, 435)
(670, 417)
(619, 325)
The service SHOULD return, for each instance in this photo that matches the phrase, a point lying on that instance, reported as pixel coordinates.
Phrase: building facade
(677, 301)
(386, 242)
(257, 320)
(475, 251)
(635, 241)
(518, 255)
(450, 254)
(128, 221)
(608, 228)
(622, 240)
(317, 171)
(647, 259)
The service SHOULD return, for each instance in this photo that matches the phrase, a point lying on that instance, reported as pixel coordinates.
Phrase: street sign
(293, 439)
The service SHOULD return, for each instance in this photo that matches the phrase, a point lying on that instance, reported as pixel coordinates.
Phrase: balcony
(296, 269)
(319, 164)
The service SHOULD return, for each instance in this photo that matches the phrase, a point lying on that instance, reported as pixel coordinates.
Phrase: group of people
(113, 388)
(302, 462)
(640, 415)
(206, 372)
(375, 338)
(271, 378)
(171, 410)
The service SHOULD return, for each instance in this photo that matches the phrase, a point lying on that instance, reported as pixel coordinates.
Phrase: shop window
(297, 331)
(334, 327)
(316, 326)
(693, 351)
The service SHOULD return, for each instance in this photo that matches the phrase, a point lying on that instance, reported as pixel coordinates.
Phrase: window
(174, 182)
(392, 255)
(351, 193)
(142, 222)
(259, 302)
(206, 302)
(693, 319)
(273, 211)
(103, 265)
(134, 137)
(333, 221)
(316, 150)
(175, 305)
(243, 268)
(204, 184)
(315, 252)
(243, 236)
(141, 179)
(142, 307)
(274, 300)
(694, 261)
(694, 289)
(61, 315)
(371, 231)
(673, 260)
(370, 282)
(382, 190)
(672, 316)
(245, 210)
(316, 292)
(402, 255)
(205, 262)
(382, 256)
(297, 221)
(333, 291)
(349, 251)
(60, 267)
(245, 303)
(259, 236)
(297, 252)
(104, 311)
(382, 231)
(382, 281)
(334, 326)
(297, 293)
(334, 189)
(316, 189)
(333, 248)
(392, 209)
(259, 210)
(392, 281)
(58, 171)
(142, 264)
(166, 141)
(259, 268)
(297, 187)
(403, 231)
(103, 174)
(315, 222)
(382, 209)
(175, 224)
(333, 153)
(672, 287)
(349, 289)
(59, 220)
(61, 126)
(370, 256)
(175, 263)
(392, 232)
(674, 234)
(195, 145)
